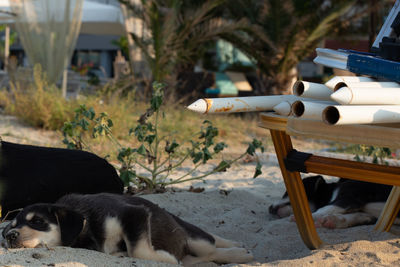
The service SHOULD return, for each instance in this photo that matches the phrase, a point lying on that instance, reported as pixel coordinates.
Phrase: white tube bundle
(312, 90)
(364, 114)
(239, 104)
(357, 94)
(285, 107)
(341, 81)
(310, 109)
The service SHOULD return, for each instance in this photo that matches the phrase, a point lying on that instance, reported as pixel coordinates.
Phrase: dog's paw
(318, 221)
(317, 224)
(332, 221)
(226, 243)
(248, 257)
(237, 244)
(241, 255)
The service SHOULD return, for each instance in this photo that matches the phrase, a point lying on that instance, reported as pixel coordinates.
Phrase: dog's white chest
(113, 234)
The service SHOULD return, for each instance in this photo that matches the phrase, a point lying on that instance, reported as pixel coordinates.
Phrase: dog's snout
(12, 236)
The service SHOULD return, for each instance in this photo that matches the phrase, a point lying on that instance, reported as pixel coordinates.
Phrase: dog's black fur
(339, 204)
(119, 224)
(33, 174)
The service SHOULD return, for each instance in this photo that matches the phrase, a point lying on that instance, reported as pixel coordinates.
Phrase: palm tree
(177, 32)
(282, 33)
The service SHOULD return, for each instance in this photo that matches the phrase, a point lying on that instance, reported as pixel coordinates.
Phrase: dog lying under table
(119, 224)
(340, 204)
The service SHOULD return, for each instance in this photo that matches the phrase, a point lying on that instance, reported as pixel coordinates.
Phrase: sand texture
(234, 206)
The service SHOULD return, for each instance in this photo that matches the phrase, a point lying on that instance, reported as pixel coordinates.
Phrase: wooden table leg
(390, 211)
(295, 189)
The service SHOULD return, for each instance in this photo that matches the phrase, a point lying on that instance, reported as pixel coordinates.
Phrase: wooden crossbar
(362, 171)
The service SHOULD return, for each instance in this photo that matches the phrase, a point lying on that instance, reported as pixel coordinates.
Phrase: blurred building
(95, 50)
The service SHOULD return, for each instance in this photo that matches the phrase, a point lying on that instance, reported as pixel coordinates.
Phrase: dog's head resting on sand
(43, 224)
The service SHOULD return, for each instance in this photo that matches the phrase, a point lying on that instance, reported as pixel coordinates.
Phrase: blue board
(374, 66)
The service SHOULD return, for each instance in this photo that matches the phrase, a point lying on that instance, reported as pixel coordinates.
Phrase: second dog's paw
(243, 255)
(317, 224)
(332, 221)
(236, 244)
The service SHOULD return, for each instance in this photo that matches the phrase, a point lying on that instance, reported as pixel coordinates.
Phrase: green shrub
(156, 151)
(378, 154)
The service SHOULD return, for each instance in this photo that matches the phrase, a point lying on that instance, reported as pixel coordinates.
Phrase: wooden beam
(295, 188)
(390, 211)
(362, 171)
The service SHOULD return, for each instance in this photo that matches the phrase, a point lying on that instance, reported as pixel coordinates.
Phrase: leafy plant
(378, 154)
(123, 45)
(158, 155)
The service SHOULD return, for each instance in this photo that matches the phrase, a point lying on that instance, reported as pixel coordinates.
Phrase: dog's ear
(6, 229)
(319, 181)
(71, 224)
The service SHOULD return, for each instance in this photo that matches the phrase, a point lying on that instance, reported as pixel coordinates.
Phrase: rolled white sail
(341, 81)
(310, 109)
(284, 108)
(312, 90)
(239, 104)
(361, 114)
(367, 96)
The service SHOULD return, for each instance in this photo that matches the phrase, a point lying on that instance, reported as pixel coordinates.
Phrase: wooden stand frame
(295, 189)
(329, 166)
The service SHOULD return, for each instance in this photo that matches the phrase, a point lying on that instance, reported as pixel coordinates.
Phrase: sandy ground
(235, 206)
(12, 130)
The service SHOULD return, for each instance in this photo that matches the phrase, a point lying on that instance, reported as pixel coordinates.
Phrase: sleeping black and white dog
(340, 204)
(119, 225)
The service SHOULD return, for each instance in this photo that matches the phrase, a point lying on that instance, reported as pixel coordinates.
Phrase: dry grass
(37, 103)
(48, 110)
(42, 106)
